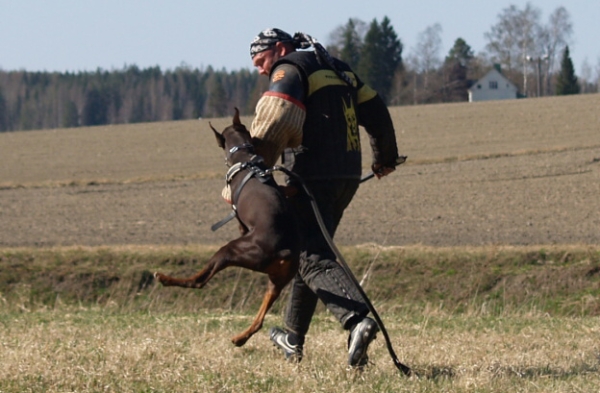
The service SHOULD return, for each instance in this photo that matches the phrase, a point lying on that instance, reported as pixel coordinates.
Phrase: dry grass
(99, 349)
(156, 339)
(513, 184)
(492, 281)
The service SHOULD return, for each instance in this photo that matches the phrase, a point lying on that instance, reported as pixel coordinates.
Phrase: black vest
(330, 143)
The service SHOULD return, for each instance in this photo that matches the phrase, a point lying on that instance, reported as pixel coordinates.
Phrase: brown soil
(523, 172)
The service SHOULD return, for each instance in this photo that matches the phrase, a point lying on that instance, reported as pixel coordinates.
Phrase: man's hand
(381, 171)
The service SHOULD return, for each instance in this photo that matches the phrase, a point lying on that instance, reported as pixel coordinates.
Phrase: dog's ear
(236, 118)
(219, 136)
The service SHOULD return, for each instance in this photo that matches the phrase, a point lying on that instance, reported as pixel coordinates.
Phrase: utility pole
(538, 69)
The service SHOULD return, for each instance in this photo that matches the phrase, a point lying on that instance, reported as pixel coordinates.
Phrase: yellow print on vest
(352, 135)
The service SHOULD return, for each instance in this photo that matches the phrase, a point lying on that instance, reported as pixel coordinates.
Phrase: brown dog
(269, 241)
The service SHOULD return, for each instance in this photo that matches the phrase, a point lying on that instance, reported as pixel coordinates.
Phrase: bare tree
(412, 63)
(555, 36)
(597, 80)
(426, 55)
(502, 39)
(518, 41)
(529, 32)
(514, 40)
(585, 77)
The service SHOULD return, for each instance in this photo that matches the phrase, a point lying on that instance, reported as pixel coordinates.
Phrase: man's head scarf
(266, 39)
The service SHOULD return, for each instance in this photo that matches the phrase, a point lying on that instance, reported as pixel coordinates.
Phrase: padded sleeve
(277, 125)
(375, 117)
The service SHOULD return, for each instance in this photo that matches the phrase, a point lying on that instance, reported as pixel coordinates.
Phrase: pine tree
(3, 113)
(70, 115)
(566, 82)
(351, 45)
(456, 67)
(217, 103)
(95, 110)
(381, 57)
(138, 109)
(461, 52)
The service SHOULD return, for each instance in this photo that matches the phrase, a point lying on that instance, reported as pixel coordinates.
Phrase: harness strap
(238, 191)
(233, 170)
(253, 170)
(224, 221)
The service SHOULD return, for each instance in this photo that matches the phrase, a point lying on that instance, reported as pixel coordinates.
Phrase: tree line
(529, 52)
(38, 100)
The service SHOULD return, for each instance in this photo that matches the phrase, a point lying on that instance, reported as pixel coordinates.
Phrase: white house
(493, 86)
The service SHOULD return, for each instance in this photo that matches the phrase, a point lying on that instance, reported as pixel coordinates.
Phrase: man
(315, 105)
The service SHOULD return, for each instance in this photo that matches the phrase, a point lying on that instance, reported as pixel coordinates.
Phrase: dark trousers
(319, 275)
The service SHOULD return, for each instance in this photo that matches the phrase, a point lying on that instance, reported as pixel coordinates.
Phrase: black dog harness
(255, 169)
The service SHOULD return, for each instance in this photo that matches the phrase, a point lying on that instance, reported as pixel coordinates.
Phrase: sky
(84, 35)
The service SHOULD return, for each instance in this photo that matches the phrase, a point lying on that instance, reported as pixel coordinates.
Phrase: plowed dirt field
(521, 172)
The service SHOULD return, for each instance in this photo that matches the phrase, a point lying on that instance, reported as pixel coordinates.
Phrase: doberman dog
(269, 241)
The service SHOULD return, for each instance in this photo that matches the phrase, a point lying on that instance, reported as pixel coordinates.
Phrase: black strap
(224, 221)
(253, 170)
(322, 54)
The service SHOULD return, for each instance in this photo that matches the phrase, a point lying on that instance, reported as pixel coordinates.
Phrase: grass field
(91, 349)
(481, 253)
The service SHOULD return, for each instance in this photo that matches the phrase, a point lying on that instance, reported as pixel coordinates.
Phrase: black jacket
(331, 144)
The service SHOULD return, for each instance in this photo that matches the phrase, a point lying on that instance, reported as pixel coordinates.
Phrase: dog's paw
(239, 341)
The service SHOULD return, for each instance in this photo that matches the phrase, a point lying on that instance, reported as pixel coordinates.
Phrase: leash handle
(399, 161)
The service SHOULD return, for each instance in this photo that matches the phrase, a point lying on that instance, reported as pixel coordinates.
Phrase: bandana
(266, 39)
(269, 37)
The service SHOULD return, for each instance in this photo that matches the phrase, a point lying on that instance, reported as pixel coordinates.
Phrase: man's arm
(280, 114)
(375, 117)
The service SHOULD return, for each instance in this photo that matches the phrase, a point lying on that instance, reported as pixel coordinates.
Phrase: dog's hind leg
(196, 281)
(242, 252)
(216, 263)
(280, 274)
(271, 295)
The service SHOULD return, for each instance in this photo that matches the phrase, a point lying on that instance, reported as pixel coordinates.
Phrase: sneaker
(293, 353)
(358, 342)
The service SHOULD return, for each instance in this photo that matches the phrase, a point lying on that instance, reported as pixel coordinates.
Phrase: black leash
(402, 367)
